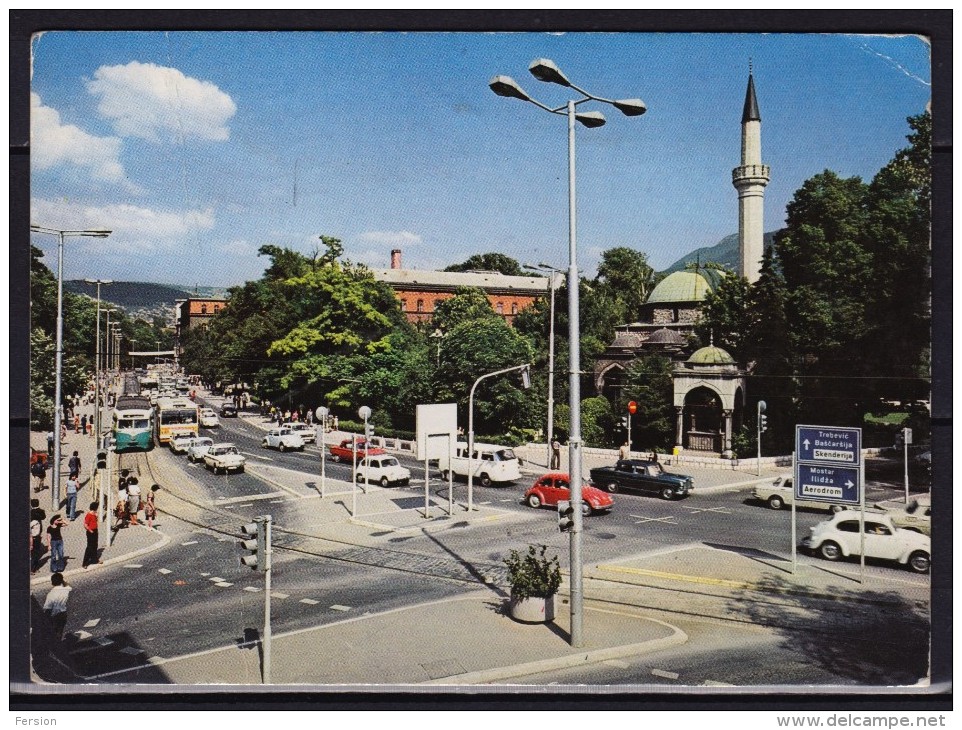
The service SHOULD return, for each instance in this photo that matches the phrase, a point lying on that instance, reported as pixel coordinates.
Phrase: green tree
(597, 423)
(648, 382)
(490, 262)
(467, 304)
(625, 278)
(729, 318)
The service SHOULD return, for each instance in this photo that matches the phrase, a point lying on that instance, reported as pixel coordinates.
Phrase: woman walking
(55, 544)
(150, 507)
(90, 525)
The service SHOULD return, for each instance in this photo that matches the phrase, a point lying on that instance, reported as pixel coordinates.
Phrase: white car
(199, 445)
(839, 537)
(916, 515)
(208, 419)
(382, 469)
(224, 458)
(780, 493)
(180, 442)
(283, 439)
(305, 431)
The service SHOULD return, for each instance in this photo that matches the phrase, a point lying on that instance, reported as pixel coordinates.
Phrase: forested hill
(139, 294)
(724, 252)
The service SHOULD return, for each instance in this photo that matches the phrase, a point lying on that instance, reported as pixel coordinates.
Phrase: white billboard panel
(433, 419)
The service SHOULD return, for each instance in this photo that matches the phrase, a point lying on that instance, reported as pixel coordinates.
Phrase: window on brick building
(420, 305)
(404, 305)
(203, 309)
(514, 307)
(500, 308)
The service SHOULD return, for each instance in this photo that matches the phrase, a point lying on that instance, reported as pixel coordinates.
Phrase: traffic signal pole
(260, 559)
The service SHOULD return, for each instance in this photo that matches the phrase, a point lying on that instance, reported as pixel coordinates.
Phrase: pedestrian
(50, 440)
(150, 507)
(55, 605)
(40, 472)
(121, 509)
(74, 465)
(334, 426)
(63, 432)
(624, 452)
(76, 423)
(73, 486)
(133, 499)
(83, 424)
(55, 544)
(37, 547)
(90, 525)
(555, 454)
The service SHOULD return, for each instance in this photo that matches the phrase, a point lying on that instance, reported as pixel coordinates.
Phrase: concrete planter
(532, 610)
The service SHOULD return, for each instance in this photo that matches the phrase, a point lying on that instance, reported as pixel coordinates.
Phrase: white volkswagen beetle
(839, 537)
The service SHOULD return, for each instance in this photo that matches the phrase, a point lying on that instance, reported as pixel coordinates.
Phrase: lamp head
(97, 233)
(545, 69)
(630, 107)
(591, 119)
(507, 86)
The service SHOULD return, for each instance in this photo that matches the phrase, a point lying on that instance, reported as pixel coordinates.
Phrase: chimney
(396, 258)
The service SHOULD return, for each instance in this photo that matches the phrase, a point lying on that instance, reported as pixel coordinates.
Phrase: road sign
(829, 445)
(821, 483)
(632, 407)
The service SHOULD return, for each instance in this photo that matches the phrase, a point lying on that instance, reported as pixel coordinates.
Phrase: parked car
(839, 537)
(382, 469)
(228, 411)
(306, 432)
(283, 439)
(491, 463)
(916, 515)
(645, 477)
(224, 458)
(780, 493)
(199, 445)
(345, 452)
(208, 419)
(180, 442)
(554, 487)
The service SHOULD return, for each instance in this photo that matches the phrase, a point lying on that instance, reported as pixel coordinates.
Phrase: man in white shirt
(55, 605)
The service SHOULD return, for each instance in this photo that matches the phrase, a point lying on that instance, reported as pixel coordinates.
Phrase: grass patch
(893, 418)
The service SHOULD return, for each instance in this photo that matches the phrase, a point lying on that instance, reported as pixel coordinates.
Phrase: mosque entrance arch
(702, 419)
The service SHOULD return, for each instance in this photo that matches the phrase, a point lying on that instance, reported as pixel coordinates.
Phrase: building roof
(665, 336)
(711, 355)
(487, 280)
(681, 286)
(750, 112)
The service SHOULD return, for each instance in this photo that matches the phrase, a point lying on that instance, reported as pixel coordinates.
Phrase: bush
(533, 575)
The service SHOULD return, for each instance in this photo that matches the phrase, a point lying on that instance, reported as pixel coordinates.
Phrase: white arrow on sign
(849, 484)
(806, 442)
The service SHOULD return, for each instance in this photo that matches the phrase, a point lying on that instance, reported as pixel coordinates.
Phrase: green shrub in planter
(533, 575)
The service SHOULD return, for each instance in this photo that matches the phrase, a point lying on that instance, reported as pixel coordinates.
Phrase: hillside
(130, 294)
(724, 252)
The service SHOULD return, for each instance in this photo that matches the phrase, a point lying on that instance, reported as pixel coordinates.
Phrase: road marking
(164, 571)
(216, 580)
(133, 565)
(104, 641)
(669, 520)
(722, 510)
(713, 683)
(190, 542)
(483, 503)
(665, 674)
(309, 601)
(616, 663)
(257, 456)
(132, 650)
(246, 505)
(91, 623)
(252, 589)
(155, 659)
(337, 607)
(677, 576)
(280, 595)
(506, 500)
(278, 501)
(205, 574)
(81, 635)
(223, 584)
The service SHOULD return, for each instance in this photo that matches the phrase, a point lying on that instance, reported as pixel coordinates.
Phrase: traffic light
(762, 423)
(368, 430)
(624, 423)
(101, 459)
(526, 377)
(566, 518)
(257, 545)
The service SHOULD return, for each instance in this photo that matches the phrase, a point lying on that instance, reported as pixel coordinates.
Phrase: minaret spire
(750, 179)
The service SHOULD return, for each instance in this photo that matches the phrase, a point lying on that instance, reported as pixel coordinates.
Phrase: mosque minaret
(750, 179)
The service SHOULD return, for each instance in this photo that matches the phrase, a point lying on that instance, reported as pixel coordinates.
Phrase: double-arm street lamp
(57, 404)
(97, 415)
(557, 276)
(546, 70)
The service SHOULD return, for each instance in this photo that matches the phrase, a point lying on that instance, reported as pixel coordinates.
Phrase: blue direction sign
(820, 483)
(829, 445)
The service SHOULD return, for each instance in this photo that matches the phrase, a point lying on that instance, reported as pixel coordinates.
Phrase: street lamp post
(546, 70)
(437, 335)
(57, 405)
(97, 414)
(555, 282)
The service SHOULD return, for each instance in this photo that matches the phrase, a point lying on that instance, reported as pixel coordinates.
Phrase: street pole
(266, 526)
(906, 440)
(321, 414)
(551, 374)
(97, 414)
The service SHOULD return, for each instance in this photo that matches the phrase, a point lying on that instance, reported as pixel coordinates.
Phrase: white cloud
(391, 238)
(238, 248)
(53, 143)
(134, 229)
(156, 102)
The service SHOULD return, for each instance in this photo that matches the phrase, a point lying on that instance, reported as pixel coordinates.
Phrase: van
(492, 463)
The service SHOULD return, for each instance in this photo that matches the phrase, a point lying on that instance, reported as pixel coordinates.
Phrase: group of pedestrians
(52, 538)
(130, 501)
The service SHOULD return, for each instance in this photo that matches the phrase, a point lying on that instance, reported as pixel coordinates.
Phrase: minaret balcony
(751, 174)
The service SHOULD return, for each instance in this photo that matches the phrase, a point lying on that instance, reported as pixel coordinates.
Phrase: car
(641, 476)
(780, 493)
(208, 419)
(228, 411)
(180, 442)
(346, 452)
(839, 537)
(915, 516)
(306, 431)
(283, 439)
(382, 469)
(554, 487)
(199, 445)
(224, 458)
(490, 463)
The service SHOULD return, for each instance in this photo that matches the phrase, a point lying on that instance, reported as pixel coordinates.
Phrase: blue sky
(196, 148)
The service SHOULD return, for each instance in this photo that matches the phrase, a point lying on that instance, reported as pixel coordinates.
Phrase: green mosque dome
(711, 355)
(681, 286)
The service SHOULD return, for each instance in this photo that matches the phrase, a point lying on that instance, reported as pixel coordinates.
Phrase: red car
(553, 487)
(345, 452)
